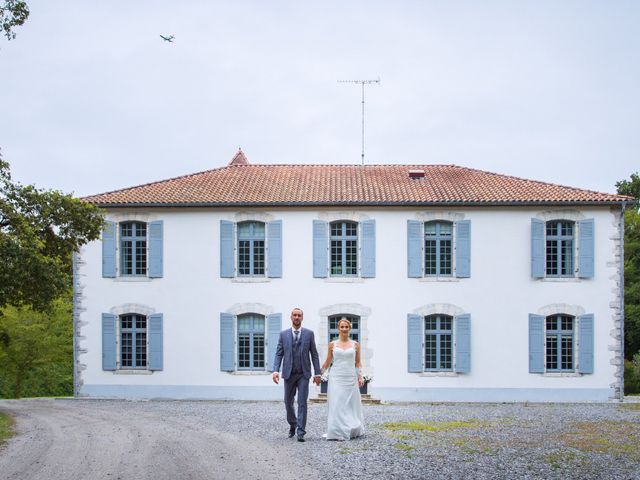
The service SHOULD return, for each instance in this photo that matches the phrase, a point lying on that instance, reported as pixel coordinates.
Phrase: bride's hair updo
(344, 319)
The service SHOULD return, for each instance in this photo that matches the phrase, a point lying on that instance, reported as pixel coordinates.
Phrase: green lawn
(6, 427)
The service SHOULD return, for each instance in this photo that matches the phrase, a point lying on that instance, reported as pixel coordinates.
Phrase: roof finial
(239, 158)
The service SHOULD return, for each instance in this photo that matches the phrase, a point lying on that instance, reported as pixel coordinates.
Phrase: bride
(345, 419)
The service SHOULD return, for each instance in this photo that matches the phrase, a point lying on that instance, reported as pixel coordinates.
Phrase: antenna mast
(363, 83)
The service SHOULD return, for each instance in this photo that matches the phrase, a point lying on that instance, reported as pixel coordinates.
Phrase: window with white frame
(560, 343)
(133, 248)
(251, 249)
(251, 342)
(438, 248)
(559, 248)
(438, 343)
(133, 341)
(344, 248)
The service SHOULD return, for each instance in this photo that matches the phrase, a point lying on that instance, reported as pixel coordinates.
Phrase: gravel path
(111, 439)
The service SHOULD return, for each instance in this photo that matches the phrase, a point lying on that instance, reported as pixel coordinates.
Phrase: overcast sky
(92, 99)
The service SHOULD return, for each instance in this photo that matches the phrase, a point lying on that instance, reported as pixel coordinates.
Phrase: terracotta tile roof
(243, 184)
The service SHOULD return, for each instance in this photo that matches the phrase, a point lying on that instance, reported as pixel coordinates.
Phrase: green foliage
(632, 375)
(36, 351)
(631, 267)
(6, 427)
(13, 14)
(39, 231)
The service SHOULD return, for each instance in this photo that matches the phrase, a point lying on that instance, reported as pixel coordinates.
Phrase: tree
(39, 231)
(631, 266)
(13, 14)
(37, 351)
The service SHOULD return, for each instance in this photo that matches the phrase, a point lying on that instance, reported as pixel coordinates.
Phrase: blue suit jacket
(308, 351)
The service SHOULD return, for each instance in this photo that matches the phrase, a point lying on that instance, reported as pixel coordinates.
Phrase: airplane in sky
(167, 39)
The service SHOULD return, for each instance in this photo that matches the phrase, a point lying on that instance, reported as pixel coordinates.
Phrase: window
(439, 248)
(251, 249)
(559, 337)
(559, 248)
(133, 341)
(251, 342)
(354, 334)
(438, 239)
(344, 248)
(562, 248)
(438, 341)
(133, 248)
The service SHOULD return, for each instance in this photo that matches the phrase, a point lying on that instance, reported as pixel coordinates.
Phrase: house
(462, 285)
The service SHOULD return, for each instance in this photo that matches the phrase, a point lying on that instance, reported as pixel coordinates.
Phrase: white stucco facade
(499, 295)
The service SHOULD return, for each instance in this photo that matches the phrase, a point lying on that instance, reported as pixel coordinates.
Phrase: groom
(297, 346)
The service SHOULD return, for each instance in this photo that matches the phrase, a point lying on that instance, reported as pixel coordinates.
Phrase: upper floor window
(559, 248)
(562, 248)
(251, 243)
(439, 248)
(251, 342)
(251, 249)
(334, 333)
(132, 248)
(344, 248)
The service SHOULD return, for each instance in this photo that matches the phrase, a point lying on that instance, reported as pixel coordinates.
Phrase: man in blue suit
(297, 347)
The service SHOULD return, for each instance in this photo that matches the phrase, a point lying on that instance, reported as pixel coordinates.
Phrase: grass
(630, 406)
(6, 427)
(619, 438)
(421, 426)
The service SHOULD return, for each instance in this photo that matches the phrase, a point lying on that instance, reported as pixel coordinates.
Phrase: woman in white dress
(345, 419)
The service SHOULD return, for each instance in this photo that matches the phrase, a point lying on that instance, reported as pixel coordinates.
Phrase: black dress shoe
(292, 432)
(300, 438)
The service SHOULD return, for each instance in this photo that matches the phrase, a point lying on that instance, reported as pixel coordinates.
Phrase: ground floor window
(438, 342)
(133, 341)
(559, 339)
(251, 342)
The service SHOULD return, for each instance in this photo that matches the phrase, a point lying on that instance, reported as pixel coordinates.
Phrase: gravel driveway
(114, 439)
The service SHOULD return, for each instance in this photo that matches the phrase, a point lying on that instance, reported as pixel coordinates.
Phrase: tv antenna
(362, 83)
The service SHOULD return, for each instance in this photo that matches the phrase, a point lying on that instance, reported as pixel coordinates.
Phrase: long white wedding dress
(345, 418)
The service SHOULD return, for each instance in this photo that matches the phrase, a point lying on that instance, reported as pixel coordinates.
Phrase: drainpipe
(624, 205)
(75, 316)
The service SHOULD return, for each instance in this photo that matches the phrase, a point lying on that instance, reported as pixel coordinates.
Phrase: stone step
(365, 397)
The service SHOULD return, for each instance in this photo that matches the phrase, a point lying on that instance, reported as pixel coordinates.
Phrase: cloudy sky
(92, 99)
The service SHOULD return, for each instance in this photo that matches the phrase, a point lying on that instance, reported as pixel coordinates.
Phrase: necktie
(297, 332)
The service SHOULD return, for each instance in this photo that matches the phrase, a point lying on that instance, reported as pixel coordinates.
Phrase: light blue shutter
(463, 248)
(109, 235)
(414, 343)
(320, 244)
(414, 249)
(155, 249)
(585, 259)
(537, 248)
(226, 342)
(155, 341)
(108, 341)
(226, 249)
(274, 325)
(368, 253)
(536, 343)
(463, 343)
(585, 360)
(274, 245)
